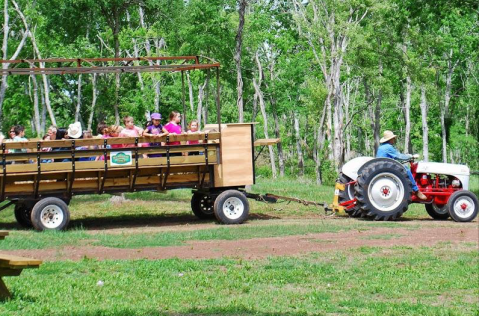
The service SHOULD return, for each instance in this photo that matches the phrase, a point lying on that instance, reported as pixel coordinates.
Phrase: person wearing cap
(156, 129)
(387, 150)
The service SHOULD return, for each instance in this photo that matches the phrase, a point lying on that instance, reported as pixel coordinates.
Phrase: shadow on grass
(135, 221)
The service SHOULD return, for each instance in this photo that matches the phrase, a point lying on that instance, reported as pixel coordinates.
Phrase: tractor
(379, 189)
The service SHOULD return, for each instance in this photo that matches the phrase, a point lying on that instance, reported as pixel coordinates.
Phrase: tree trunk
(190, 91)
(407, 116)
(78, 107)
(425, 130)
(36, 109)
(201, 97)
(237, 58)
(445, 109)
(298, 144)
(260, 98)
(6, 32)
(93, 101)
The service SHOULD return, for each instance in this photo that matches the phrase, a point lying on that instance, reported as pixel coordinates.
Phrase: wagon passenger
(173, 127)
(387, 150)
(155, 129)
(115, 131)
(193, 129)
(47, 149)
(130, 130)
(19, 137)
(86, 135)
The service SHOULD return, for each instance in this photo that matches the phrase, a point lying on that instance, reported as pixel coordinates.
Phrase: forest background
(327, 77)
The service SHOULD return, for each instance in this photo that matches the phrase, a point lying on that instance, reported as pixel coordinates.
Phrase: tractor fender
(351, 168)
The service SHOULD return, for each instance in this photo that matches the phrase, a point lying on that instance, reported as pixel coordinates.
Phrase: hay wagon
(217, 169)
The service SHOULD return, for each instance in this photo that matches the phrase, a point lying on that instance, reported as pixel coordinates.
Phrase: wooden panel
(3, 235)
(111, 141)
(236, 164)
(266, 142)
(14, 261)
(177, 175)
(12, 170)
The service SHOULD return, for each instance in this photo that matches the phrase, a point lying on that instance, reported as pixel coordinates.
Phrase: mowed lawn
(442, 279)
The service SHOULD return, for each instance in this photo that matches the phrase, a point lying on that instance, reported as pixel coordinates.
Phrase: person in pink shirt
(193, 129)
(173, 126)
(130, 130)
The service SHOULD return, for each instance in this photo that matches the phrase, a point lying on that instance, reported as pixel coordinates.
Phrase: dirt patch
(277, 246)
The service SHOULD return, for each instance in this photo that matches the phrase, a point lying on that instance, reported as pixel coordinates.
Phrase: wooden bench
(12, 266)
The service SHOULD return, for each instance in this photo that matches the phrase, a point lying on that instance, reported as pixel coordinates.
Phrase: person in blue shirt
(387, 150)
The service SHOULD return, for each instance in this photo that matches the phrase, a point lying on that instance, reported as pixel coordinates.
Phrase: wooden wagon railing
(26, 174)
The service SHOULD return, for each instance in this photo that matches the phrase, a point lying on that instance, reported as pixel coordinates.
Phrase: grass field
(440, 279)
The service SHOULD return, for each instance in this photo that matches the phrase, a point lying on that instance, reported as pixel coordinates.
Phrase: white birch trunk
(93, 101)
(190, 91)
(260, 98)
(445, 109)
(36, 109)
(425, 129)
(407, 115)
(298, 144)
(78, 107)
(237, 58)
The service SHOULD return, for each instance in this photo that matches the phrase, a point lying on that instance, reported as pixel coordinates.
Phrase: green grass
(369, 281)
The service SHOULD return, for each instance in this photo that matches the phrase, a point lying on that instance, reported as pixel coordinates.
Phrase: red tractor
(379, 188)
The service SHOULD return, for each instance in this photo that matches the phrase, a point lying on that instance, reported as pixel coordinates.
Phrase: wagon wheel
(23, 213)
(50, 214)
(348, 195)
(437, 211)
(202, 206)
(384, 190)
(231, 207)
(463, 206)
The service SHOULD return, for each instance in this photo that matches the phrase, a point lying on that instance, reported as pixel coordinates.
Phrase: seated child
(155, 130)
(130, 130)
(193, 129)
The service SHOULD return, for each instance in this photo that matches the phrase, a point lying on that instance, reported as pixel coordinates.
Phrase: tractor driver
(387, 150)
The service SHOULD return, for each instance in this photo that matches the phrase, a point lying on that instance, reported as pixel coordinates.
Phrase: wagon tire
(231, 207)
(439, 212)
(50, 214)
(463, 206)
(23, 214)
(384, 190)
(202, 206)
(348, 195)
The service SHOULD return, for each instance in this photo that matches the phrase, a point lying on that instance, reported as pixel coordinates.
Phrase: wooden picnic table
(11, 265)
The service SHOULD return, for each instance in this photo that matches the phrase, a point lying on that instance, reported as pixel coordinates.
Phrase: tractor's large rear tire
(383, 190)
(463, 206)
(348, 195)
(439, 212)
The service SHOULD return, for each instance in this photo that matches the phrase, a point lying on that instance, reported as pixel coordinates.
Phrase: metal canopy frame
(62, 66)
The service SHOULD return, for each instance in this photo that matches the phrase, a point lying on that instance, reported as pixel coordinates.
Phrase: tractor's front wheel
(383, 190)
(462, 206)
(439, 212)
(348, 195)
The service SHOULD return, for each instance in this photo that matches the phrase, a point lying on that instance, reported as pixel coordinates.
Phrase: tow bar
(273, 198)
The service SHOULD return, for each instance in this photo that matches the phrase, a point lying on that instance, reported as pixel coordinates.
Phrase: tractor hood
(442, 168)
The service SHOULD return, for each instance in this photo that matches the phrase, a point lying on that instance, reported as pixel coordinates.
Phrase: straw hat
(74, 130)
(387, 135)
